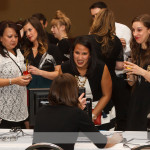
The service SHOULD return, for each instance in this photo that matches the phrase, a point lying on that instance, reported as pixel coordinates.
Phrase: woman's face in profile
(81, 56)
(30, 32)
(9, 39)
(140, 32)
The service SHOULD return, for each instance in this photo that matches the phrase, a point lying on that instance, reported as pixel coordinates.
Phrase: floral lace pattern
(13, 98)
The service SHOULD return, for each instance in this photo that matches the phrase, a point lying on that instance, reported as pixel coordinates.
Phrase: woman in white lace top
(13, 94)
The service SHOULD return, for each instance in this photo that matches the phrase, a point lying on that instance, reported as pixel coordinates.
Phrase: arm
(136, 70)
(106, 84)
(119, 65)
(123, 41)
(100, 140)
(45, 74)
(115, 139)
(22, 81)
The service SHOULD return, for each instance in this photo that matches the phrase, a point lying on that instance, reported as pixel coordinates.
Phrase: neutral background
(76, 10)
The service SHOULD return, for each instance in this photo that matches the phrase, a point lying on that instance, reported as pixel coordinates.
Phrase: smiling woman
(140, 46)
(94, 76)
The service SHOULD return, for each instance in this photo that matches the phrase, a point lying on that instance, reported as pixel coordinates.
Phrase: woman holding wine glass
(138, 72)
(13, 92)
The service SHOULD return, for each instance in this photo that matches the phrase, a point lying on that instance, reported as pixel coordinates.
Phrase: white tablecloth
(24, 141)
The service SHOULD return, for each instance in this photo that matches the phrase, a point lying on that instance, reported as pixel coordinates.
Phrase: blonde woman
(60, 27)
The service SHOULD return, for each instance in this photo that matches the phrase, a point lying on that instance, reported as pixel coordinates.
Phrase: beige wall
(76, 10)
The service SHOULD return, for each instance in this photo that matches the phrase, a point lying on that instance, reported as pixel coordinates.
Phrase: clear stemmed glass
(129, 59)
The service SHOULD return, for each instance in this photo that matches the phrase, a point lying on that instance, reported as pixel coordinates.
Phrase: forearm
(49, 75)
(146, 75)
(7, 82)
(119, 65)
(109, 143)
(101, 105)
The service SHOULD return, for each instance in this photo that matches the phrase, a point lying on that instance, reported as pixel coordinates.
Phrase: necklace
(34, 49)
(81, 81)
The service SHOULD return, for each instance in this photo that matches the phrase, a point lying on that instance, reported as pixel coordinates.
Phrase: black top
(94, 79)
(116, 54)
(139, 104)
(61, 118)
(51, 38)
(53, 51)
(64, 47)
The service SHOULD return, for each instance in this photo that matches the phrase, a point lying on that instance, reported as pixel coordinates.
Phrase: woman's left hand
(82, 101)
(132, 68)
(34, 70)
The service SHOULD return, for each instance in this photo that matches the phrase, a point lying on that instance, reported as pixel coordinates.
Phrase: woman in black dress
(138, 73)
(60, 27)
(108, 48)
(41, 56)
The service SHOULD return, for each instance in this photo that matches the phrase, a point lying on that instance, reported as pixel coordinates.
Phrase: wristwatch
(94, 117)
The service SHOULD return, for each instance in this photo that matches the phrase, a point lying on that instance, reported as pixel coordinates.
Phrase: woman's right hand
(82, 101)
(115, 139)
(22, 80)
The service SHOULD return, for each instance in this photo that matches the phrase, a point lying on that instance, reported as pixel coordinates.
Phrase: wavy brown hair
(64, 91)
(138, 58)
(62, 19)
(104, 26)
(42, 37)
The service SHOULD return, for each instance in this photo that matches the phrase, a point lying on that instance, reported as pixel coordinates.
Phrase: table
(82, 143)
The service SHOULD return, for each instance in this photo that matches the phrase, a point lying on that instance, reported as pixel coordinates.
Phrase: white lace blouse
(13, 98)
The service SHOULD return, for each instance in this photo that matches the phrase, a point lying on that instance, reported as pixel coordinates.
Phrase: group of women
(91, 60)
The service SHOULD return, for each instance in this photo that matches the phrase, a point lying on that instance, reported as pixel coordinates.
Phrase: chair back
(44, 146)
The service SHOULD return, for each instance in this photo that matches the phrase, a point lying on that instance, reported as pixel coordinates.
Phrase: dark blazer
(61, 118)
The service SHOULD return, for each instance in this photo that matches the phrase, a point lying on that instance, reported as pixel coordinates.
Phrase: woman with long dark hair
(94, 76)
(139, 73)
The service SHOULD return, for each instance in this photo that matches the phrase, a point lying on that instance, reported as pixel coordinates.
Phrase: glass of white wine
(129, 59)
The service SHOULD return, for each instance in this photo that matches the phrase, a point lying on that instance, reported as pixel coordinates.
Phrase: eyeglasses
(13, 134)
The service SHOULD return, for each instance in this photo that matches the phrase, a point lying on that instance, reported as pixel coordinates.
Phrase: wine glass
(26, 72)
(129, 59)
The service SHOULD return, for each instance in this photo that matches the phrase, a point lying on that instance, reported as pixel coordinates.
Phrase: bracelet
(9, 81)
(94, 116)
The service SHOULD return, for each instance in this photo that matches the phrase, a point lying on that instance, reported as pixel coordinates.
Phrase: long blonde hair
(104, 26)
(62, 19)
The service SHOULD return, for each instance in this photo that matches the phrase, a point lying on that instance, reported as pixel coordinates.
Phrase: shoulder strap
(15, 63)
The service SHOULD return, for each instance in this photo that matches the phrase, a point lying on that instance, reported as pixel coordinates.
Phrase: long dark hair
(135, 47)
(8, 24)
(64, 91)
(42, 37)
(87, 42)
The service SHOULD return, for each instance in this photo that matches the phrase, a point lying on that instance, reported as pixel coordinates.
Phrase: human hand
(132, 68)
(34, 70)
(123, 42)
(82, 101)
(115, 139)
(22, 80)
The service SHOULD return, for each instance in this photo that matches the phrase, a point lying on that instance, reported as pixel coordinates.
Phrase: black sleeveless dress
(139, 105)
